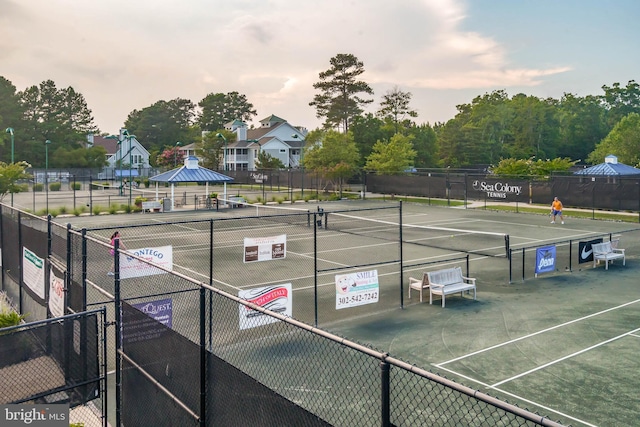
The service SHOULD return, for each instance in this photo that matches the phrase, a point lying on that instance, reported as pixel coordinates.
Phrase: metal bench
(151, 206)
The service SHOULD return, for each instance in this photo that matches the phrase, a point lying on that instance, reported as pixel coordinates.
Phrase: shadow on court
(563, 345)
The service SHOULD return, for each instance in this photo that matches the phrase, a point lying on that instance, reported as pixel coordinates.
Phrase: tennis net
(451, 239)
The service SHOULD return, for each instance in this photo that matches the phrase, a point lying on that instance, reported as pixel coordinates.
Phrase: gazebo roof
(610, 167)
(191, 172)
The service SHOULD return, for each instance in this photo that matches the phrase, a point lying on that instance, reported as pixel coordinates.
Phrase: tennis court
(563, 344)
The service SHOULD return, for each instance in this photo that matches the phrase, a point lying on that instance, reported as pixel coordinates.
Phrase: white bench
(151, 206)
(607, 253)
(449, 281)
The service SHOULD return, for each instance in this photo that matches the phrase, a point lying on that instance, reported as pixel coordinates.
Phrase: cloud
(124, 55)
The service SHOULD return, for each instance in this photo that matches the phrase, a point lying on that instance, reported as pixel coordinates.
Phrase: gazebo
(610, 167)
(191, 172)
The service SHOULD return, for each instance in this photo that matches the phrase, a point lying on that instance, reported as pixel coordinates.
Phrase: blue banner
(545, 259)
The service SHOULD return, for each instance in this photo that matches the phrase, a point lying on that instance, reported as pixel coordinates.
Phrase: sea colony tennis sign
(497, 190)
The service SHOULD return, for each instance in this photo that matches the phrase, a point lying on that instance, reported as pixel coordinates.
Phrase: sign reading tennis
(498, 190)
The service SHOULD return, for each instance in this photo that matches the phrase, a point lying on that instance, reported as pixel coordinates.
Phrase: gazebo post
(173, 203)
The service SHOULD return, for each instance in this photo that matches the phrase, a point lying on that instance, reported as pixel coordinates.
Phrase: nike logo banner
(585, 252)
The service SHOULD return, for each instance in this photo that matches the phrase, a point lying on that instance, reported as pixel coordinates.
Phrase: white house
(125, 151)
(275, 136)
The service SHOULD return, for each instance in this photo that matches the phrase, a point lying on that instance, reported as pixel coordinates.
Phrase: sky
(123, 55)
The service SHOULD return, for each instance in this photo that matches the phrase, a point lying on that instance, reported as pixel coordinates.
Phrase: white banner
(357, 289)
(56, 294)
(131, 267)
(265, 248)
(33, 272)
(276, 298)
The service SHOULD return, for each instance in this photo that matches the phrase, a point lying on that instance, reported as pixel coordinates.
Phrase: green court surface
(563, 344)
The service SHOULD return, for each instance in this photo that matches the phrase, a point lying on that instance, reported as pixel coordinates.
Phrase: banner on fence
(160, 310)
(276, 298)
(585, 250)
(56, 294)
(131, 267)
(33, 272)
(545, 259)
(355, 289)
(265, 248)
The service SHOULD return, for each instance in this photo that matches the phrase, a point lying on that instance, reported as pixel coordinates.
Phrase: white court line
(537, 333)
(568, 356)
(546, 408)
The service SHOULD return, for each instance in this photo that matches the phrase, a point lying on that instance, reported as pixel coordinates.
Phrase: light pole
(118, 163)
(10, 131)
(46, 171)
(301, 161)
(175, 154)
(224, 154)
(129, 136)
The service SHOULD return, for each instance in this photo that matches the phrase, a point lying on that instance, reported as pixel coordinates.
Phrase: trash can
(166, 205)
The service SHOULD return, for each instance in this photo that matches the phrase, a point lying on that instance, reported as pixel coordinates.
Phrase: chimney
(241, 131)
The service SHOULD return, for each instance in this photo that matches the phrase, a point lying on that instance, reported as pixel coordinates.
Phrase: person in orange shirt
(556, 209)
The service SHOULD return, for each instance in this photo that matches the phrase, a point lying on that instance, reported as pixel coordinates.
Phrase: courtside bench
(153, 206)
(449, 281)
(606, 252)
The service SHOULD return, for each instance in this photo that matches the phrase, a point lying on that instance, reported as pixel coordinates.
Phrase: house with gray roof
(275, 136)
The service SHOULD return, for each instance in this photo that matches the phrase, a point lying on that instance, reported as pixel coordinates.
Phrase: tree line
(492, 127)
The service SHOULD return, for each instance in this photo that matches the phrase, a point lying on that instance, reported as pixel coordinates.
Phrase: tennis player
(556, 209)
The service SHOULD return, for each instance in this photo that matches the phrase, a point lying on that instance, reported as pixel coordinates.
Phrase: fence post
(523, 264)
(401, 263)
(385, 400)
(203, 360)
(20, 264)
(118, 319)
(84, 269)
(315, 268)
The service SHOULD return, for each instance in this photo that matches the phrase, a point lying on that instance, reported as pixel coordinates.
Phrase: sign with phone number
(356, 289)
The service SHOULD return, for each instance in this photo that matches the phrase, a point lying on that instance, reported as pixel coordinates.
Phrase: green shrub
(138, 201)
(54, 212)
(63, 210)
(213, 195)
(147, 183)
(10, 318)
(97, 209)
(76, 186)
(38, 187)
(113, 208)
(55, 186)
(127, 208)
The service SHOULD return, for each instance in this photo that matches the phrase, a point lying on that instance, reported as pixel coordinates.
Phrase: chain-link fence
(59, 360)
(190, 347)
(565, 255)
(587, 192)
